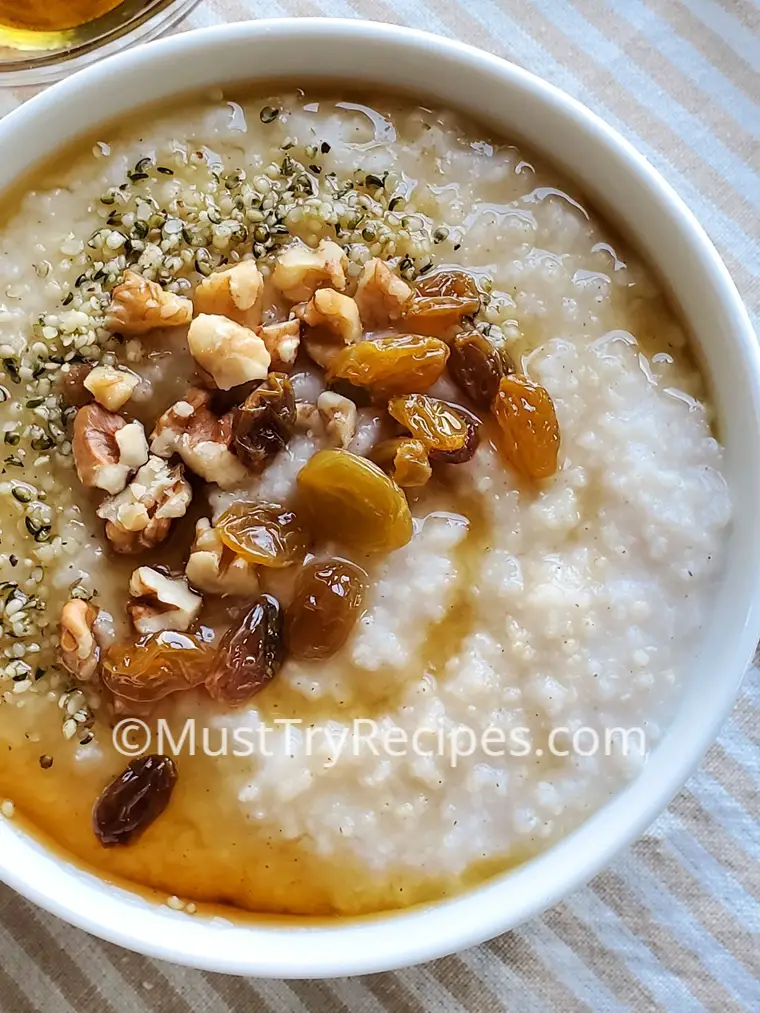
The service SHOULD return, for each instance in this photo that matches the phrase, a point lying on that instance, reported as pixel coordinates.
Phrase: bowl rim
(396, 939)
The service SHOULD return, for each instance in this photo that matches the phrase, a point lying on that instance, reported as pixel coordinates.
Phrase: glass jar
(39, 57)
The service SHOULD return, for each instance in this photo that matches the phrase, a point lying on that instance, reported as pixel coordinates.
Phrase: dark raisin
(264, 423)
(250, 654)
(478, 366)
(134, 800)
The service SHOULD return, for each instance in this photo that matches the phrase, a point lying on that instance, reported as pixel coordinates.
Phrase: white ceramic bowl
(623, 185)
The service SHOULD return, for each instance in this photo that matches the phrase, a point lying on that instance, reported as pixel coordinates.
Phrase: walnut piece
(235, 292)
(215, 569)
(232, 354)
(162, 603)
(138, 306)
(106, 448)
(140, 516)
(332, 320)
(300, 271)
(334, 311)
(382, 297)
(282, 340)
(79, 649)
(308, 418)
(189, 428)
(339, 416)
(111, 387)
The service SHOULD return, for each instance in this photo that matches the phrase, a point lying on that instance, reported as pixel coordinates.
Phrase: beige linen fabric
(675, 923)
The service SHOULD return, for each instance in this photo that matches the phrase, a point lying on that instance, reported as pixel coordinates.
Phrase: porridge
(341, 429)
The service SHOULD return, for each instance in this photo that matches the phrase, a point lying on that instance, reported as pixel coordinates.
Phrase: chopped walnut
(133, 447)
(111, 387)
(79, 649)
(140, 516)
(215, 569)
(106, 448)
(163, 603)
(189, 428)
(405, 460)
(232, 354)
(138, 306)
(334, 311)
(300, 271)
(382, 297)
(282, 340)
(235, 292)
(135, 351)
(333, 321)
(339, 416)
(308, 418)
(177, 419)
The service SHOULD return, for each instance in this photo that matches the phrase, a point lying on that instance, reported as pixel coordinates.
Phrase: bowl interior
(623, 186)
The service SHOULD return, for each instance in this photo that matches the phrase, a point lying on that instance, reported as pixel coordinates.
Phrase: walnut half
(215, 569)
(160, 602)
(140, 516)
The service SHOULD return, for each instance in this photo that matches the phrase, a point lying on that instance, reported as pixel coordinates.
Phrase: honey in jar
(52, 15)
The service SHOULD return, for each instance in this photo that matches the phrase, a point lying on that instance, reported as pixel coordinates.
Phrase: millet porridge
(341, 412)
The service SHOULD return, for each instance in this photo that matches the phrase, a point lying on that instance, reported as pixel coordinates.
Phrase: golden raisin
(395, 365)
(263, 533)
(350, 500)
(155, 666)
(327, 603)
(405, 460)
(442, 301)
(448, 433)
(528, 426)
(477, 365)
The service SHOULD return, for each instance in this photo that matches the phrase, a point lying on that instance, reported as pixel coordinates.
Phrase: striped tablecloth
(675, 924)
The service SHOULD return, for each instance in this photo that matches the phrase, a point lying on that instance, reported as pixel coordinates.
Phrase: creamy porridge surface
(572, 601)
